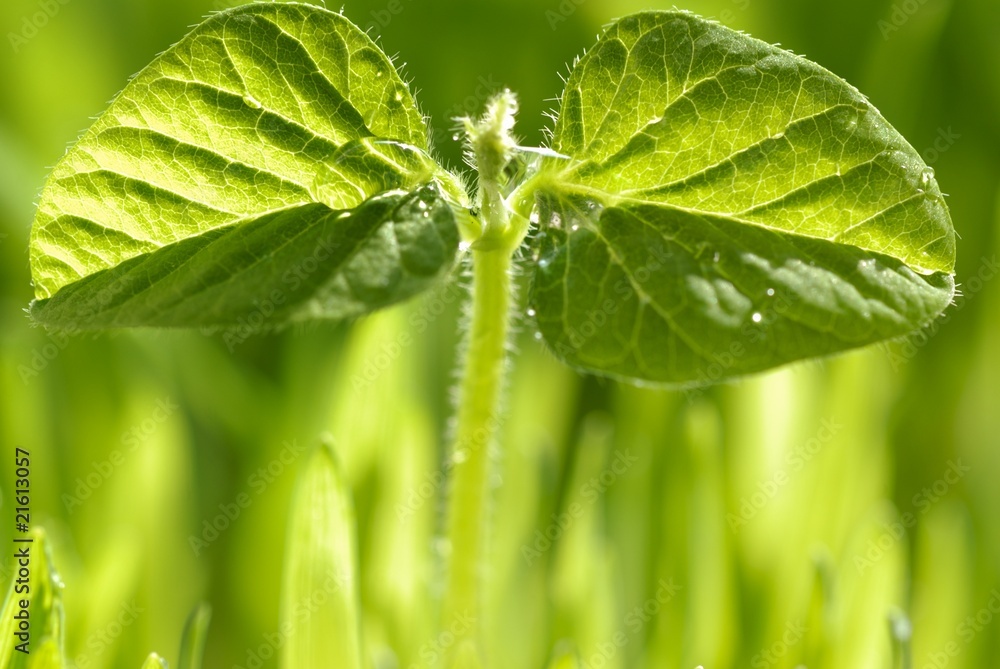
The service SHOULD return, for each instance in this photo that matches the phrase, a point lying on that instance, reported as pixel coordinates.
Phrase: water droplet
(778, 135)
(716, 256)
(531, 313)
(534, 218)
(926, 177)
(460, 456)
(379, 74)
(757, 317)
(544, 262)
(770, 292)
(575, 227)
(456, 137)
(555, 221)
(422, 205)
(399, 96)
(538, 336)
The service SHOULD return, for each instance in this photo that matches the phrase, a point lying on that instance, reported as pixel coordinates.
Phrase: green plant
(709, 206)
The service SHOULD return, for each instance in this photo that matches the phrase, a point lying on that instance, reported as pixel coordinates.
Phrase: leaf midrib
(610, 199)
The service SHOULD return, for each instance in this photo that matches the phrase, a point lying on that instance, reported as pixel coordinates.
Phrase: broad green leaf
(257, 137)
(319, 596)
(194, 637)
(42, 593)
(725, 207)
(308, 262)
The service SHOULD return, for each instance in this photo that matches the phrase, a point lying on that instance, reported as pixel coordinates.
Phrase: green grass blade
(154, 661)
(195, 635)
(41, 620)
(320, 610)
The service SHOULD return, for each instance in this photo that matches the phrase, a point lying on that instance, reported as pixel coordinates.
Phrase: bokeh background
(811, 517)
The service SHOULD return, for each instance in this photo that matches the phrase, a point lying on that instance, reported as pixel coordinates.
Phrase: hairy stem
(484, 366)
(478, 421)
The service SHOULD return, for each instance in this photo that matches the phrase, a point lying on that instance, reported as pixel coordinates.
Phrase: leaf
(727, 207)
(308, 262)
(319, 597)
(44, 611)
(194, 637)
(266, 127)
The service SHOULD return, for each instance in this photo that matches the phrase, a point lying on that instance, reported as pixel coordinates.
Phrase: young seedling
(708, 206)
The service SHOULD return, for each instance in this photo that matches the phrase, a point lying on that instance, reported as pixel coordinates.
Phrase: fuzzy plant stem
(483, 370)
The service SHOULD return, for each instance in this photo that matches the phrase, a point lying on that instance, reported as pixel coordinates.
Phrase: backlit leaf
(216, 172)
(726, 207)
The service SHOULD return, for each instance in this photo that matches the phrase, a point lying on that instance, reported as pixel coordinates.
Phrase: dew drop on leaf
(926, 177)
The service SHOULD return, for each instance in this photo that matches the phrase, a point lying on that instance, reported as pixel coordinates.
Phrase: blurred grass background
(778, 522)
